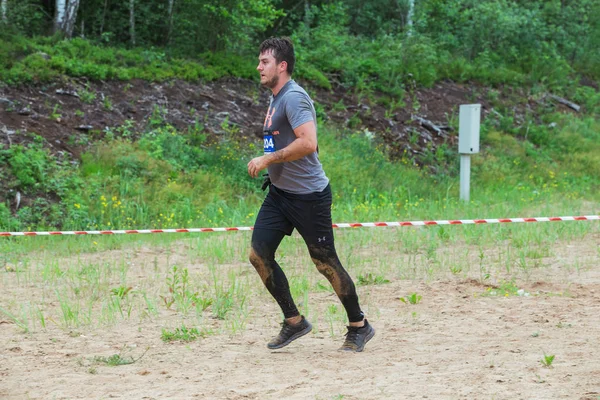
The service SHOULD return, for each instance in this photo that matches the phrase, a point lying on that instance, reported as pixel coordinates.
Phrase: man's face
(268, 69)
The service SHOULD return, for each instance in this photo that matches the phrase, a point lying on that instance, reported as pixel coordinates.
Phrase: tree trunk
(132, 21)
(66, 16)
(82, 27)
(307, 14)
(3, 6)
(170, 30)
(71, 17)
(409, 18)
(59, 17)
(103, 17)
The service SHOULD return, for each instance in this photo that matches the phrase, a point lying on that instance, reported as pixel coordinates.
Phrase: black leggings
(264, 244)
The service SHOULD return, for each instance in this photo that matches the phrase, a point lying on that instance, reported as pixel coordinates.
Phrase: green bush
(312, 74)
(25, 61)
(231, 64)
(165, 143)
(541, 39)
(29, 164)
(589, 98)
(7, 221)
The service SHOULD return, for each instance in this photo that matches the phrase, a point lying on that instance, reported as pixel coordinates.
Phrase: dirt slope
(70, 115)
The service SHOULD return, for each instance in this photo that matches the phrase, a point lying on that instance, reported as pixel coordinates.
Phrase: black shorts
(309, 213)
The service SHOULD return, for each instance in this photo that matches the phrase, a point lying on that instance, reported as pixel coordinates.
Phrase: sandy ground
(456, 343)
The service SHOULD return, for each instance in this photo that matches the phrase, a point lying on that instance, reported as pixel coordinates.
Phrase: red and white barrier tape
(341, 225)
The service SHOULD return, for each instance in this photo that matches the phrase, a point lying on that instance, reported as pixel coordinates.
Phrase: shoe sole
(360, 349)
(292, 338)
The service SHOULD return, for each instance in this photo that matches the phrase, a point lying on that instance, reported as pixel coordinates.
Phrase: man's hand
(304, 144)
(256, 165)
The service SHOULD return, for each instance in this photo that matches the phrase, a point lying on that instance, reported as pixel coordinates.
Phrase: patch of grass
(21, 323)
(117, 359)
(180, 294)
(87, 96)
(504, 289)
(371, 279)
(334, 314)
(412, 298)
(223, 304)
(121, 291)
(547, 360)
(563, 325)
(183, 334)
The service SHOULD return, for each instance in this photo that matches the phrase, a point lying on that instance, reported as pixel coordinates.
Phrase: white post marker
(468, 143)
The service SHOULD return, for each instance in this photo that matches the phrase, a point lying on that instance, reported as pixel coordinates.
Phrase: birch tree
(59, 17)
(132, 21)
(4, 7)
(170, 30)
(307, 16)
(103, 17)
(71, 17)
(65, 17)
(409, 18)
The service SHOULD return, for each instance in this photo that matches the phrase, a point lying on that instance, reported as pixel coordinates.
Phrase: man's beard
(271, 83)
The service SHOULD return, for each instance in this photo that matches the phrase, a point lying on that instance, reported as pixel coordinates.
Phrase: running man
(299, 198)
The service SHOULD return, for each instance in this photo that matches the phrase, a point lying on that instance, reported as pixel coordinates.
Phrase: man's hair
(283, 50)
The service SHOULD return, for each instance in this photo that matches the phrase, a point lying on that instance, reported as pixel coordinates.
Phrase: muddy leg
(328, 264)
(262, 257)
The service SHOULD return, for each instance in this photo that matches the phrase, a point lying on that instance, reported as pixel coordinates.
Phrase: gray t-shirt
(288, 110)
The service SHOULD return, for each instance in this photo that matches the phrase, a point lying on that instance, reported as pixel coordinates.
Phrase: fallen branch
(84, 128)
(4, 100)
(430, 125)
(566, 102)
(67, 92)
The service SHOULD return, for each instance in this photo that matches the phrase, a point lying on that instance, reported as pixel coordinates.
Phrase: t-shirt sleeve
(298, 109)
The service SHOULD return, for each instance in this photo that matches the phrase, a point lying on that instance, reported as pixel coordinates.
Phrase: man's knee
(255, 258)
(325, 259)
(261, 256)
(323, 255)
(260, 264)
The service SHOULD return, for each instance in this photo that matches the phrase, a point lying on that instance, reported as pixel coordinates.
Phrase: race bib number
(269, 144)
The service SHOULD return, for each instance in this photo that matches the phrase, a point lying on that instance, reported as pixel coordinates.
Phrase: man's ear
(283, 66)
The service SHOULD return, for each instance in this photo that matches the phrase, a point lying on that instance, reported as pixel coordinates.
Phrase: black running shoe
(357, 337)
(289, 333)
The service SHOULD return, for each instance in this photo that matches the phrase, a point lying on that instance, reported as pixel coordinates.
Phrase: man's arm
(304, 144)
